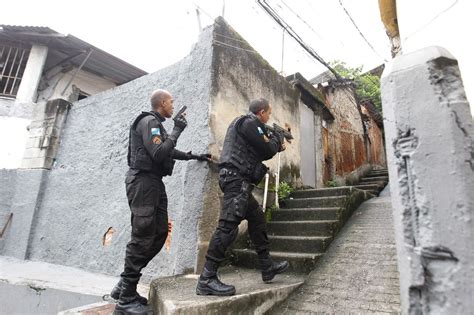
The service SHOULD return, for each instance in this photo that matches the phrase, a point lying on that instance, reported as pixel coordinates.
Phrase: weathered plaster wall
(430, 151)
(5, 105)
(53, 86)
(347, 152)
(240, 76)
(84, 193)
(375, 143)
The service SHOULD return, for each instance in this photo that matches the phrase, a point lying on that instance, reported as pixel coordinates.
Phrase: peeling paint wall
(376, 146)
(346, 150)
(430, 151)
(238, 78)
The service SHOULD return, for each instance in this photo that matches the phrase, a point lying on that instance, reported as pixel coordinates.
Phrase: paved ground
(358, 274)
(45, 288)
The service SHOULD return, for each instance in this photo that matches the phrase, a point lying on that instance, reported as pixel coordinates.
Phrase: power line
(362, 35)
(295, 36)
(301, 19)
(433, 19)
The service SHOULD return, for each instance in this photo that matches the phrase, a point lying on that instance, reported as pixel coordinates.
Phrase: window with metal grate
(12, 65)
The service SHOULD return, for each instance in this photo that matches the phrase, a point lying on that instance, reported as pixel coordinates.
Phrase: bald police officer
(151, 155)
(247, 143)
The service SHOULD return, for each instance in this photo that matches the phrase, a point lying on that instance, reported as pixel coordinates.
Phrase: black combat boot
(209, 283)
(129, 304)
(115, 294)
(270, 268)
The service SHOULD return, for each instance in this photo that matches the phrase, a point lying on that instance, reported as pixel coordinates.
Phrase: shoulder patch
(260, 131)
(156, 139)
(155, 131)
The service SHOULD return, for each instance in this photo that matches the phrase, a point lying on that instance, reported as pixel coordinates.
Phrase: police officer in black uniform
(151, 155)
(247, 143)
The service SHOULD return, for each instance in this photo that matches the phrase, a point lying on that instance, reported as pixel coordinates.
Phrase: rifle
(276, 129)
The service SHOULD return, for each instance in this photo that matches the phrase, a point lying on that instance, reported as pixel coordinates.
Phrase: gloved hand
(199, 157)
(204, 157)
(180, 124)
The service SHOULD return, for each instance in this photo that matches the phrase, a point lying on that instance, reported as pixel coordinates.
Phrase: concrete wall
(239, 77)
(346, 154)
(430, 150)
(5, 105)
(68, 209)
(84, 194)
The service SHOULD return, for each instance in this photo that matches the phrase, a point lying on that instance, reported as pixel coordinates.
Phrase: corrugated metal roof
(64, 46)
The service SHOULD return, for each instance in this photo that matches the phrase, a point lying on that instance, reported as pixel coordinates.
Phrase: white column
(32, 75)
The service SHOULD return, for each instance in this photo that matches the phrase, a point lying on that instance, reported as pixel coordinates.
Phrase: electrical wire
(362, 35)
(274, 15)
(433, 19)
(301, 19)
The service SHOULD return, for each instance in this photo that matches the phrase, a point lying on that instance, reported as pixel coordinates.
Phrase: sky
(154, 34)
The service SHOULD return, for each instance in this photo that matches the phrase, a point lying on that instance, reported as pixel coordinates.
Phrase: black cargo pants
(149, 218)
(238, 204)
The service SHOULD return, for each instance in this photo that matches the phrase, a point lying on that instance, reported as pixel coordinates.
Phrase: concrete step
(300, 214)
(177, 294)
(377, 174)
(376, 187)
(303, 228)
(323, 192)
(317, 202)
(299, 262)
(374, 179)
(299, 244)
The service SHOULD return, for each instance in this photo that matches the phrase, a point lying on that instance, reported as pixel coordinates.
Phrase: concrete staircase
(374, 181)
(301, 230)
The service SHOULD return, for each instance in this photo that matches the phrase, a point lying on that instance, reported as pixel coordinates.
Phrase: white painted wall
(85, 81)
(444, 23)
(13, 136)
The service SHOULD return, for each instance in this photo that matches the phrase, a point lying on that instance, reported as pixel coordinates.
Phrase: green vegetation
(284, 191)
(332, 183)
(367, 85)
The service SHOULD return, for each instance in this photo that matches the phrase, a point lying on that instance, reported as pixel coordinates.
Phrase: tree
(367, 85)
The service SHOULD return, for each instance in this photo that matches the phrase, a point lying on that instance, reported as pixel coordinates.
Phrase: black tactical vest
(138, 157)
(237, 153)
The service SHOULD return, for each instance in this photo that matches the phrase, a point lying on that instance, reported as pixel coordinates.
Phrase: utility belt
(254, 177)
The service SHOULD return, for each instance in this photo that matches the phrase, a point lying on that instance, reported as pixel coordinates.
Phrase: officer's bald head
(258, 105)
(157, 97)
(261, 108)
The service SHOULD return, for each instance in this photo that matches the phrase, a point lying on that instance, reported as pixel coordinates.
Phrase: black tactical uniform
(246, 145)
(151, 156)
